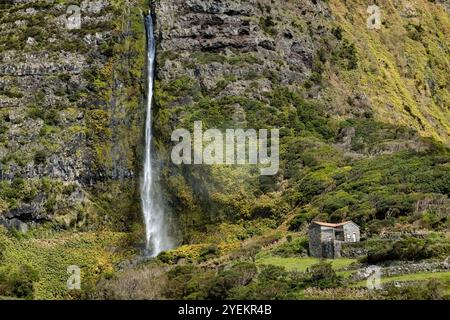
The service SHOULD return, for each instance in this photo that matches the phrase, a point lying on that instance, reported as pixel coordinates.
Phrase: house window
(354, 237)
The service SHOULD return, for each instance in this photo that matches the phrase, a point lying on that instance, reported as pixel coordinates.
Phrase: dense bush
(209, 252)
(298, 221)
(247, 252)
(190, 282)
(272, 283)
(18, 282)
(431, 290)
(268, 25)
(40, 157)
(242, 280)
(408, 249)
(296, 247)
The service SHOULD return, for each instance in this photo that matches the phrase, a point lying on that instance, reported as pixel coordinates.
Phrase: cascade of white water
(157, 238)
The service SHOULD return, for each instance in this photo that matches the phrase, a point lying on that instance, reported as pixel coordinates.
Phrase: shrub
(297, 222)
(268, 25)
(409, 249)
(346, 55)
(293, 248)
(273, 283)
(165, 257)
(322, 275)
(18, 282)
(247, 252)
(240, 274)
(40, 157)
(208, 252)
(431, 290)
(143, 282)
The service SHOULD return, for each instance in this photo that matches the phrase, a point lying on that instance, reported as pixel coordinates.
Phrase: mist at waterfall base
(156, 227)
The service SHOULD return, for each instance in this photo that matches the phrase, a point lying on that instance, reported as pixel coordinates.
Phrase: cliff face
(363, 119)
(72, 102)
(322, 49)
(340, 93)
(71, 113)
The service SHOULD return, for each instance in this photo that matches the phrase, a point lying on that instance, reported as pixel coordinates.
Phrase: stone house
(326, 239)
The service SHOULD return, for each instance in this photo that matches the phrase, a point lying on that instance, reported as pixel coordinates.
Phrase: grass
(420, 276)
(51, 254)
(301, 264)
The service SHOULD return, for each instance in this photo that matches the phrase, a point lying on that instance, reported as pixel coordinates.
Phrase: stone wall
(315, 243)
(399, 268)
(349, 230)
(353, 250)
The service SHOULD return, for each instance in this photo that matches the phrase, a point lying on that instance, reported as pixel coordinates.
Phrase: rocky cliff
(71, 99)
(71, 113)
(341, 93)
(322, 49)
(364, 135)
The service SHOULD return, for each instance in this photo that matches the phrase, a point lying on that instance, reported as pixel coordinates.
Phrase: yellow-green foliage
(50, 254)
(301, 264)
(403, 67)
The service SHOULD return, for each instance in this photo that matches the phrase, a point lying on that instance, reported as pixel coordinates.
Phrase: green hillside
(364, 126)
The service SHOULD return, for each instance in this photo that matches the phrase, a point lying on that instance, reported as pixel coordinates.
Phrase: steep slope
(352, 117)
(71, 121)
(364, 135)
(404, 66)
(71, 113)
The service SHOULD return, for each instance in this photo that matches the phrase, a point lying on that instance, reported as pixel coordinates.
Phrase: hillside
(364, 136)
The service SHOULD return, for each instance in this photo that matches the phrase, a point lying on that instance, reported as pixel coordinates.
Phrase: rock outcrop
(70, 109)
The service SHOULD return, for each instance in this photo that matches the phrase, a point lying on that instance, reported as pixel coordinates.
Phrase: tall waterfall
(156, 230)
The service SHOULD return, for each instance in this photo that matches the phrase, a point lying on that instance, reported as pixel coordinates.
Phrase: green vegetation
(18, 282)
(242, 280)
(364, 135)
(408, 249)
(420, 276)
(35, 265)
(302, 264)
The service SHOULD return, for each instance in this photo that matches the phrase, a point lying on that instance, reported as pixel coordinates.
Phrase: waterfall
(156, 230)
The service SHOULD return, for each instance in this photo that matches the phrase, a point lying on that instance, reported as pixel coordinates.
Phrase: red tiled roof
(332, 225)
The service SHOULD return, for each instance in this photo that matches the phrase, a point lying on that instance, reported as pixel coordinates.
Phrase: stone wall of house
(337, 248)
(349, 230)
(315, 243)
(327, 233)
(327, 250)
(353, 250)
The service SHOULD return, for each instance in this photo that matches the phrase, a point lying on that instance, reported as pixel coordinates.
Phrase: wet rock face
(208, 26)
(272, 34)
(319, 48)
(235, 57)
(65, 107)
